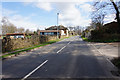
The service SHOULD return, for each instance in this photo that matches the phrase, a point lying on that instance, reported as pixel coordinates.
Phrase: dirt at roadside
(115, 44)
(109, 50)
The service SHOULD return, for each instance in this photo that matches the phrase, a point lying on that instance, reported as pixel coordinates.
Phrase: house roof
(60, 27)
(9, 34)
(14, 34)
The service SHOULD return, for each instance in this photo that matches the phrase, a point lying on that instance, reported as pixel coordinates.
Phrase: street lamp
(57, 25)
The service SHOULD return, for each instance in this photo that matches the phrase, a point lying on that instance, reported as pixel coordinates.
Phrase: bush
(108, 32)
(106, 37)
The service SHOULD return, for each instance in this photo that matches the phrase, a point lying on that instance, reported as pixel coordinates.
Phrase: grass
(85, 39)
(36, 46)
(98, 40)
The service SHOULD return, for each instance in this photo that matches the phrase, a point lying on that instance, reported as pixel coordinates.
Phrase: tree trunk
(117, 14)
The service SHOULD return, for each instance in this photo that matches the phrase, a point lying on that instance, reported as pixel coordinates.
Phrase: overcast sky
(33, 14)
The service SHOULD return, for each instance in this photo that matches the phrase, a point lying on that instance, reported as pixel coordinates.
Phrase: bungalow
(16, 35)
(54, 30)
(48, 32)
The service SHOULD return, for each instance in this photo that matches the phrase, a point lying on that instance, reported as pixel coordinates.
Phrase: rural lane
(69, 58)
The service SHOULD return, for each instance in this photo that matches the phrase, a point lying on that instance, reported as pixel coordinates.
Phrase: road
(69, 58)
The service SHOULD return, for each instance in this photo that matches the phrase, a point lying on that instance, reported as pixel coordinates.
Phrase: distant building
(53, 30)
(48, 32)
(17, 35)
(60, 27)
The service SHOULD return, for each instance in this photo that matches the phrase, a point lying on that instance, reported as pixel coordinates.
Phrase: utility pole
(57, 25)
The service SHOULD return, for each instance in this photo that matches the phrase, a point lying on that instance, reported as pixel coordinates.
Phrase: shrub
(108, 32)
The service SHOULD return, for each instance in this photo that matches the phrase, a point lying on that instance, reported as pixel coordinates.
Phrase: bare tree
(70, 28)
(20, 30)
(12, 28)
(78, 30)
(101, 10)
(27, 31)
(7, 26)
(117, 10)
(98, 19)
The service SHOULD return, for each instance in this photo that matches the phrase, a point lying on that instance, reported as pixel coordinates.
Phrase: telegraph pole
(57, 25)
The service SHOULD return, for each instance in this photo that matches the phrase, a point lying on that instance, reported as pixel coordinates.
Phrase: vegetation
(36, 46)
(85, 39)
(101, 11)
(8, 27)
(28, 49)
(116, 62)
(99, 40)
(107, 33)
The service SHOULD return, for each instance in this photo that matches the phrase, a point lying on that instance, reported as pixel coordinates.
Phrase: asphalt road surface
(69, 58)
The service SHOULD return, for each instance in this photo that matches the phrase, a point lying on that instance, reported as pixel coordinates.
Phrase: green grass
(98, 40)
(85, 39)
(36, 46)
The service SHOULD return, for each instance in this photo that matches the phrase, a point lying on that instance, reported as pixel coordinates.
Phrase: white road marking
(104, 56)
(35, 70)
(61, 49)
(69, 42)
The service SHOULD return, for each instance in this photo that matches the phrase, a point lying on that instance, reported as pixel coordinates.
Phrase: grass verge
(102, 41)
(28, 49)
(85, 39)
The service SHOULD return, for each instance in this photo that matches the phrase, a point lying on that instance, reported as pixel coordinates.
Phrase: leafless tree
(101, 10)
(117, 10)
(98, 19)
(27, 31)
(71, 28)
(20, 30)
(7, 26)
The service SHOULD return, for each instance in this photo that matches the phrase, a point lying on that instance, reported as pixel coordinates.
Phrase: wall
(12, 44)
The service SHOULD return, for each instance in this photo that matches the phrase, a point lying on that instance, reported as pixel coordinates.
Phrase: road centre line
(62, 48)
(69, 42)
(34, 70)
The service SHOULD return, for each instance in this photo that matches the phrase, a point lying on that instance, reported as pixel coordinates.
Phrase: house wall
(67, 34)
(63, 32)
(48, 33)
(0, 37)
(15, 36)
